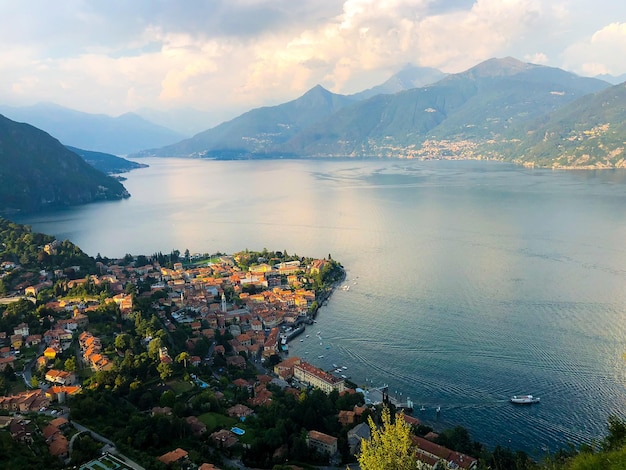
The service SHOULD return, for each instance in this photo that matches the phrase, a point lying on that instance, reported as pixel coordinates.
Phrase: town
(175, 361)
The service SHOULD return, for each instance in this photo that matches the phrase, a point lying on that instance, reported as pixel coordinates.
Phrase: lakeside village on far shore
(233, 312)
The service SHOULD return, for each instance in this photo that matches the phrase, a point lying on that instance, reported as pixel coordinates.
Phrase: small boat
(438, 409)
(335, 366)
(345, 368)
(306, 336)
(302, 341)
(320, 356)
(423, 408)
(524, 399)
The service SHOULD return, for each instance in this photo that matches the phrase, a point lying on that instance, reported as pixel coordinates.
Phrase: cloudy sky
(227, 56)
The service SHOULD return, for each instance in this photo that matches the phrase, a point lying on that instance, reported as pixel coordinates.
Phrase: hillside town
(196, 342)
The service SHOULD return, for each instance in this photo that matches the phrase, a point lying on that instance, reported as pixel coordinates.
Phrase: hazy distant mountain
(105, 162)
(613, 79)
(37, 171)
(481, 103)
(186, 121)
(259, 130)
(409, 77)
(589, 132)
(117, 135)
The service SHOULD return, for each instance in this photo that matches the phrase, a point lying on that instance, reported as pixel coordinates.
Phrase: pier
(378, 395)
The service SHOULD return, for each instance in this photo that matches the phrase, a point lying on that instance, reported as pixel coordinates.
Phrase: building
(356, 435)
(284, 369)
(431, 453)
(60, 377)
(6, 361)
(239, 411)
(30, 400)
(321, 442)
(311, 375)
(176, 455)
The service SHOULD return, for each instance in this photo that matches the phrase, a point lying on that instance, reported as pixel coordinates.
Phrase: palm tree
(183, 357)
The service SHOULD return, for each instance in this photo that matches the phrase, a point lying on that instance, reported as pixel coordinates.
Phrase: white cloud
(537, 58)
(236, 54)
(602, 52)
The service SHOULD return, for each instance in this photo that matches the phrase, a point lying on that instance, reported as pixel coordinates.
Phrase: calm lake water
(469, 281)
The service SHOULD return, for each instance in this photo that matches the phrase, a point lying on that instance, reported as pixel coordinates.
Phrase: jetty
(378, 395)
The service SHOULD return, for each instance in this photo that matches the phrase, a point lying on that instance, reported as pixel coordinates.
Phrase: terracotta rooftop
(321, 437)
(173, 456)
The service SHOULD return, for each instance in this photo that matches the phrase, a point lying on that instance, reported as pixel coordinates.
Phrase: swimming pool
(238, 431)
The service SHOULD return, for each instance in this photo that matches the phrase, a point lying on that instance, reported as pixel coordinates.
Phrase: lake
(469, 281)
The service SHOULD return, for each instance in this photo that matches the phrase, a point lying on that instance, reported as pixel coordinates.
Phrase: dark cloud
(241, 18)
(76, 26)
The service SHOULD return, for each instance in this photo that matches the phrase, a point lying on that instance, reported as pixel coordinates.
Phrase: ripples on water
(470, 282)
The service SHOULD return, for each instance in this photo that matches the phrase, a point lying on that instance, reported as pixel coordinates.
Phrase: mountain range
(259, 130)
(457, 116)
(120, 135)
(38, 172)
(587, 133)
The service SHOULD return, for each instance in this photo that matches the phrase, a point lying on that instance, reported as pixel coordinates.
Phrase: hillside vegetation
(105, 162)
(588, 133)
(37, 172)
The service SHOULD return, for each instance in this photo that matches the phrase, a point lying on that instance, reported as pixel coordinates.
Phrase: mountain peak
(410, 76)
(317, 89)
(496, 67)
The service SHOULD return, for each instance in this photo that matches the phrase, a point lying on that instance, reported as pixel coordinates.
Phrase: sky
(228, 56)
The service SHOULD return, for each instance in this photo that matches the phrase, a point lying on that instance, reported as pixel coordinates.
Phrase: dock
(378, 395)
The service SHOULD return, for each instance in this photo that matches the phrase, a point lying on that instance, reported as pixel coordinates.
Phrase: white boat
(524, 399)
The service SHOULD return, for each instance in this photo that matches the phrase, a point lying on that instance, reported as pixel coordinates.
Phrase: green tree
(70, 364)
(153, 348)
(122, 342)
(390, 447)
(165, 371)
(183, 357)
(34, 382)
(617, 434)
(168, 398)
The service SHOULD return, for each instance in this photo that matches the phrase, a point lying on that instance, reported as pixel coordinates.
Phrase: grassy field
(179, 386)
(216, 421)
